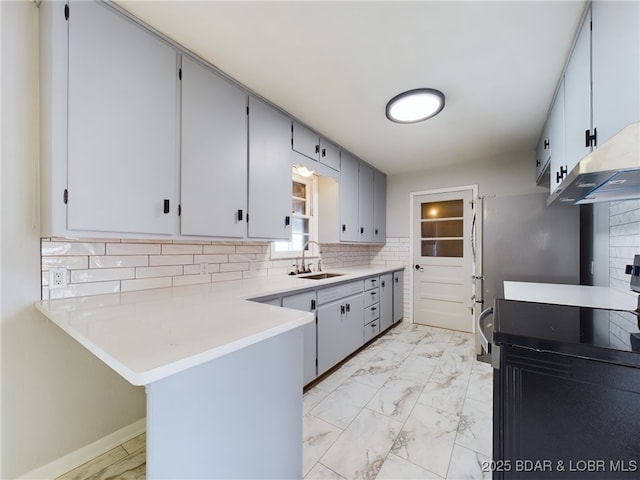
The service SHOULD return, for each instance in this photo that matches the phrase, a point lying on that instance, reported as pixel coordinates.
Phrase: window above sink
(304, 221)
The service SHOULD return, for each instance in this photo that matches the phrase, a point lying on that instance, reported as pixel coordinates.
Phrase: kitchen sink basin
(321, 276)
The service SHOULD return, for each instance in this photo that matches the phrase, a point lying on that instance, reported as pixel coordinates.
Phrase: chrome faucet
(304, 268)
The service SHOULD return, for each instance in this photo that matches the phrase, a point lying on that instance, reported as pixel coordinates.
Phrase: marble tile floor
(414, 404)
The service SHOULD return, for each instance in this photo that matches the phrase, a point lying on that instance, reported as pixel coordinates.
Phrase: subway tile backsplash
(111, 266)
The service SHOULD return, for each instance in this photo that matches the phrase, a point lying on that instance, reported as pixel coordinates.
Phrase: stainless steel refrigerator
(519, 238)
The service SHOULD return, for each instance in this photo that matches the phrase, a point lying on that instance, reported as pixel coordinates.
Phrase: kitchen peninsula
(223, 375)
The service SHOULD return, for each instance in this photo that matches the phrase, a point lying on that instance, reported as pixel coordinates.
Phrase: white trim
(412, 195)
(84, 454)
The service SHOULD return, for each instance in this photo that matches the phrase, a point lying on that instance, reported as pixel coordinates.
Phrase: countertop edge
(145, 377)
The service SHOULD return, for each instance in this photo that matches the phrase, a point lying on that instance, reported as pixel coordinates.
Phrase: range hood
(611, 172)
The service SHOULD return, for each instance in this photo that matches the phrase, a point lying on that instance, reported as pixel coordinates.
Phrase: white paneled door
(442, 260)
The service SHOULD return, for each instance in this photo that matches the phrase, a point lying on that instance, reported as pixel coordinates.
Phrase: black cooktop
(606, 335)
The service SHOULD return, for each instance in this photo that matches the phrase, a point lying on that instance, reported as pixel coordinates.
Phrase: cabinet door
(379, 207)
(269, 172)
(330, 341)
(542, 152)
(348, 199)
(577, 99)
(305, 141)
(329, 155)
(365, 203)
(352, 324)
(122, 114)
(615, 66)
(398, 296)
(386, 301)
(558, 165)
(214, 154)
(306, 302)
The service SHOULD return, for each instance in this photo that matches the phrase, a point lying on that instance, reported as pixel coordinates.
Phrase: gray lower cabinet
(339, 330)
(386, 301)
(306, 302)
(213, 171)
(398, 295)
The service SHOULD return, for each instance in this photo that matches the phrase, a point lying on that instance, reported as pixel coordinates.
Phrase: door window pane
(442, 248)
(446, 209)
(442, 228)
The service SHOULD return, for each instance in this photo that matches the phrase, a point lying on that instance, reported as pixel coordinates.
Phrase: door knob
(419, 268)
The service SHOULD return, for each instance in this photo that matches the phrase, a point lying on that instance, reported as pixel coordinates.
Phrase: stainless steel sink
(321, 276)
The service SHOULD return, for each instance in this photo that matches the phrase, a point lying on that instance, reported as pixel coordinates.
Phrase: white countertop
(579, 295)
(150, 334)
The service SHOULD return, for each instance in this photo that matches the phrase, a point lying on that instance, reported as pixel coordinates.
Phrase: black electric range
(566, 392)
(598, 334)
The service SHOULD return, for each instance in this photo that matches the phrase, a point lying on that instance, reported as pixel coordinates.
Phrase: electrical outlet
(57, 278)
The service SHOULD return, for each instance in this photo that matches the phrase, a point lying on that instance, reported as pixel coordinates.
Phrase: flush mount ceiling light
(415, 105)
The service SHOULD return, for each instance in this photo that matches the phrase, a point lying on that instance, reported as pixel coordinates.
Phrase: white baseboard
(81, 456)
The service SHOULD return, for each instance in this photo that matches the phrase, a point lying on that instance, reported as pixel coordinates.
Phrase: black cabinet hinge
(591, 139)
(66, 12)
(65, 196)
(313, 304)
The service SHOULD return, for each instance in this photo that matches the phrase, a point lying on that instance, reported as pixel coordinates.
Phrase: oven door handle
(486, 345)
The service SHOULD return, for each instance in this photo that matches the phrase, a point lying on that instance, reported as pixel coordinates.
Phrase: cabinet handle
(373, 325)
(348, 307)
(546, 144)
(537, 162)
(342, 309)
(373, 309)
(361, 230)
(240, 215)
(166, 206)
(383, 285)
(287, 221)
(376, 231)
(313, 304)
(317, 148)
(373, 293)
(324, 152)
(396, 279)
(344, 227)
(374, 280)
(589, 139)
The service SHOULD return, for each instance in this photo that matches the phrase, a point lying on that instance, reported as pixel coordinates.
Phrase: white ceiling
(334, 65)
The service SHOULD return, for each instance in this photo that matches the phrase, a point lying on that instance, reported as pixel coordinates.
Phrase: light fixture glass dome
(415, 105)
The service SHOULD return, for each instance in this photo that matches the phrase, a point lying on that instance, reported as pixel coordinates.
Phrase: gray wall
(505, 175)
(55, 396)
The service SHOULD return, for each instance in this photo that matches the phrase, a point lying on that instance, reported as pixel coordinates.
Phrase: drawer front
(335, 292)
(371, 330)
(371, 297)
(370, 283)
(371, 313)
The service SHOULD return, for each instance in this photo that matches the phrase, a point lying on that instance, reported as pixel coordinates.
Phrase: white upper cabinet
(365, 203)
(348, 195)
(305, 141)
(329, 155)
(556, 138)
(122, 125)
(577, 88)
(269, 172)
(379, 207)
(214, 154)
(542, 152)
(615, 66)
